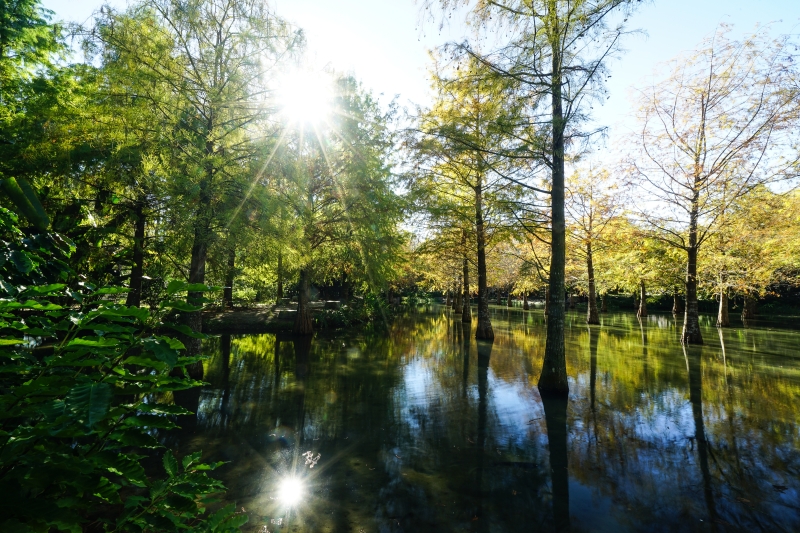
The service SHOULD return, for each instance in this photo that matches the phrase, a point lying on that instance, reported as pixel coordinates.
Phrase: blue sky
(385, 45)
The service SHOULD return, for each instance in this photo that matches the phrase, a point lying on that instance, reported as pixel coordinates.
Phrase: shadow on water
(423, 428)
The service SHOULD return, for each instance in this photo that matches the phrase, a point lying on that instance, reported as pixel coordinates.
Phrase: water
(422, 428)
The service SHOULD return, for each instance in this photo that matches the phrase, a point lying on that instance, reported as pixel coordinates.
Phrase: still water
(422, 428)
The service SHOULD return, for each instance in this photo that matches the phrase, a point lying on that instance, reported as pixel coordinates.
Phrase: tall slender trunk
(723, 321)
(525, 305)
(279, 291)
(642, 312)
(303, 324)
(137, 265)
(458, 304)
(484, 329)
(691, 318)
(603, 303)
(466, 311)
(553, 378)
(571, 300)
(509, 301)
(227, 292)
(592, 317)
(194, 319)
(447, 301)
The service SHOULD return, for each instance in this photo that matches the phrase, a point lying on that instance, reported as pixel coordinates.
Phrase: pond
(422, 428)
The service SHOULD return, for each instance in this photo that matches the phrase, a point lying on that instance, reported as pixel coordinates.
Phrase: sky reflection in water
(425, 429)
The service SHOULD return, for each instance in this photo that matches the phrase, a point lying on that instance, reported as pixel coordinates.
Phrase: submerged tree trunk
(571, 299)
(553, 379)
(499, 297)
(723, 321)
(279, 290)
(458, 304)
(466, 310)
(677, 305)
(137, 265)
(227, 292)
(642, 312)
(303, 324)
(749, 308)
(525, 305)
(592, 317)
(484, 329)
(447, 301)
(603, 303)
(509, 301)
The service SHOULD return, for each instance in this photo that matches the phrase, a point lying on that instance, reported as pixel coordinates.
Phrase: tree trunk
(525, 305)
(303, 324)
(553, 379)
(194, 319)
(571, 299)
(447, 301)
(499, 297)
(749, 308)
(484, 329)
(603, 303)
(723, 321)
(547, 301)
(509, 301)
(227, 292)
(592, 317)
(642, 300)
(279, 291)
(137, 265)
(677, 305)
(458, 304)
(691, 318)
(466, 311)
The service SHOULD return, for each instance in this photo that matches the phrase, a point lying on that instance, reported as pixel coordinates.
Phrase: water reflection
(425, 429)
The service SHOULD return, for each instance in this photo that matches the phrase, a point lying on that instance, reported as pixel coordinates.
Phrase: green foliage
(84, 381)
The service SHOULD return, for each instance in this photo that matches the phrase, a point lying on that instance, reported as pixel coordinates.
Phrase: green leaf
(89, 402)
(188, 460)
(162, 350)
(111, 290)
(21, 261)
(170, 464)
(42, 289)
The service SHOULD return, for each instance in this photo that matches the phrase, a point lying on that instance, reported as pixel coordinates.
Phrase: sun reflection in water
(290, 491)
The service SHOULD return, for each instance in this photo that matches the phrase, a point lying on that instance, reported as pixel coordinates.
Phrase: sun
(305, 96)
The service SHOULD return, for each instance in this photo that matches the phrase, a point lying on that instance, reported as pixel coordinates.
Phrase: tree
(455, 146)
(338, 186)
(591, 205)
(208, 63)
(555, 59)
(717, 127)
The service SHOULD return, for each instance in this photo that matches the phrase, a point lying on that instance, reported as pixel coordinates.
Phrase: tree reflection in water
(421, 428)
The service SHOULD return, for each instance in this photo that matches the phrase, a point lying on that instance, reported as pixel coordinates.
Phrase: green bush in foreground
(83, 382)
